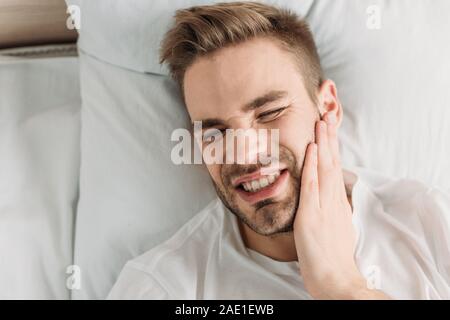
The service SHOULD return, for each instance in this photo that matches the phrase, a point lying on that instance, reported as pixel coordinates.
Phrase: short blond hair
(202, 30)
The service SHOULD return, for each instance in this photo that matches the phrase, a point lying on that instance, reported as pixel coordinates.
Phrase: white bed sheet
(39, 167)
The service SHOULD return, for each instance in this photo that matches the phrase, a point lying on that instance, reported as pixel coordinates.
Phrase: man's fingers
(325, 168)
(323, 148)
(333, 142)
(309, 193)
(331, 121)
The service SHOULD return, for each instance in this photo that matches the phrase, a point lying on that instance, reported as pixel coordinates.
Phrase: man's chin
(268, 218)
(272, 230)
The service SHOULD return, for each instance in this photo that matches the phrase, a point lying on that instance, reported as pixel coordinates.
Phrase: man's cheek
(298, 145)
(215, 173)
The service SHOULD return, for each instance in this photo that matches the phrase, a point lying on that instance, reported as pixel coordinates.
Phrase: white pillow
(39, 166)
(132, 196)
(393, 82)
(128, 33)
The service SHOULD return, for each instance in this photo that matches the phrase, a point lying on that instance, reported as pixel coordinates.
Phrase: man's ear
(329, 102)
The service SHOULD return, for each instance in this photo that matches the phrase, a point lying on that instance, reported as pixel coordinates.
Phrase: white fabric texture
(392, 82)
(403, 249)
(128, 33)
(39, 166)
(132, 196)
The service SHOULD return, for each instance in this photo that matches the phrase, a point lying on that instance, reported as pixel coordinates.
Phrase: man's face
(255, 85)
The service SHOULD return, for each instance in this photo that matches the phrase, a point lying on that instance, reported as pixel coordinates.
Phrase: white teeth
(256, 185)
(263, 182)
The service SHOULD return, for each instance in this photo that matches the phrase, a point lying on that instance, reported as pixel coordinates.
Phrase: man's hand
(323, 230)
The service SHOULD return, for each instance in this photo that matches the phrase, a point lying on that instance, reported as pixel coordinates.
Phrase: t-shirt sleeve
(135, 284)
(436, 225)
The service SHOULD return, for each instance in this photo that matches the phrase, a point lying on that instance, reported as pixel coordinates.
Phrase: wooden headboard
(34, 22)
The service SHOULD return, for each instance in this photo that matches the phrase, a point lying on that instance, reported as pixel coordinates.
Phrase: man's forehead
(233, 79)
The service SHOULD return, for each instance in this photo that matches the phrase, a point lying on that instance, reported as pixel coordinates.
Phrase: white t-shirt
(403, 249)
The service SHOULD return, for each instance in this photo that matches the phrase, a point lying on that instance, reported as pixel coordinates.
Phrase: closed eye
(270, 115)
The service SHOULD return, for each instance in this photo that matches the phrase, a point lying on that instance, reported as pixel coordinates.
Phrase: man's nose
(248, 142)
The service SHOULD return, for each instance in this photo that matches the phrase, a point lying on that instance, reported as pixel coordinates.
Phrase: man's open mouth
(258, 184)
(256, 187)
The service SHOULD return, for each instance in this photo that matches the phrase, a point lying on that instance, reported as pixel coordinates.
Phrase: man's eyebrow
(209, 123)
(263, 100)
(256, 103)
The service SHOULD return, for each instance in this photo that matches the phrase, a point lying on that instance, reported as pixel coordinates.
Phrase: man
(298, 230)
